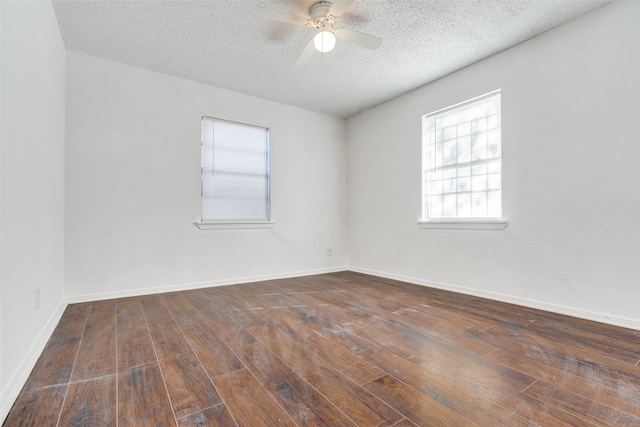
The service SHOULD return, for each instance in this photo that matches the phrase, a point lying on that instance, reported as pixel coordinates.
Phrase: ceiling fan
(323, 16)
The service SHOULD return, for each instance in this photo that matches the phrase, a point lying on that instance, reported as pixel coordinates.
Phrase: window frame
(250, 223)
(468, 223)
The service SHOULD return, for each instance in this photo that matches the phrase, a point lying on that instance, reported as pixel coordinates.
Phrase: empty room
(315, 213)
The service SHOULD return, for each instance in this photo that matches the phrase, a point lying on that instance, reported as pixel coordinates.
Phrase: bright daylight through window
(235, 171)
(462, 161)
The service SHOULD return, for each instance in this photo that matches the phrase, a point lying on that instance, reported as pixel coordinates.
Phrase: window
(235, 172)
(462, 162)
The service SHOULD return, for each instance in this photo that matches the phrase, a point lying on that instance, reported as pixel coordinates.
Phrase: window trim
(489, 223)
(464, 224)
(234, 225)
(231, 224)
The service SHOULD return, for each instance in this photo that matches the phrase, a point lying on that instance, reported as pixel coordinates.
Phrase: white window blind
(235, 171)
(462, 161)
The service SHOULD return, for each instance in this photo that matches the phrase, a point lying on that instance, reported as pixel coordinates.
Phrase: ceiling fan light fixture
(324, 41)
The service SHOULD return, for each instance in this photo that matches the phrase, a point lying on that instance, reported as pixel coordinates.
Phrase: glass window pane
(235, 171)
(479, 205)
(479, 183)
(450, 152)
(493, 166)
(435, 207)
(493, 122)
(450, 185)
(450, 206)
(449, 133)
(450, 173)
(494, 204)
(436, 175)
(463, 129)
(479, 147)
(439, 155)
(464, 164)
(464, 149)
(493, 181)
(464, 171)
(464, 184)
(479, 125)
(435, 187)
(480, 169)
(464, 205)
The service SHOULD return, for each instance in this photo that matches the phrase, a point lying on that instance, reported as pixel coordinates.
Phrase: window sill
(465, 224)
(234, 225)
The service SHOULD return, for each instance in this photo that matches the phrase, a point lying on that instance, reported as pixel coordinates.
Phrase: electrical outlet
(329, 252)
(37, 297)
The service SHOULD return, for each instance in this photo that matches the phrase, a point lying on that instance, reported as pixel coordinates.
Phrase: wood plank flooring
(341, 349)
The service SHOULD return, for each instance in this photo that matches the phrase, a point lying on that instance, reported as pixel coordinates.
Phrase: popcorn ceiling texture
(225, 43)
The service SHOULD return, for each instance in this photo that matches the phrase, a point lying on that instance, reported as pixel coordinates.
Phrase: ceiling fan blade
(276, 15)
(306, 54)
(361, 39)
(339, 7)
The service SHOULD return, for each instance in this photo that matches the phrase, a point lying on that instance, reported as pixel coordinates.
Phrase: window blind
(235, 171)
(462, 160)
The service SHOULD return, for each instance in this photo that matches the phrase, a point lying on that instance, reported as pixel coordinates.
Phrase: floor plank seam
(155, 352)
(86, 321)
(202, 410)
(489, 353)
(248, 370)
(354, 382)
(384, 374)
(201, 364)
(265, 389)
(301, 378)
(223, 400)
(527, 387)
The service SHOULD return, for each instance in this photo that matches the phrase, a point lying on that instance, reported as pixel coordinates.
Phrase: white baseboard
(197, 285)
(539, 305)
(20, 376)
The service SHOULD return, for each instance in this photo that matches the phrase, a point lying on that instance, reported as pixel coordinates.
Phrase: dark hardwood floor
(337, 349)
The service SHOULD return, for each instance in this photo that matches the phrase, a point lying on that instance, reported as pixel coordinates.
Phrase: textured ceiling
(225, 43)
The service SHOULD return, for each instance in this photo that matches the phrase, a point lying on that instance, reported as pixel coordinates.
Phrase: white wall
(571, 126)
(133, 185)
(32, 187)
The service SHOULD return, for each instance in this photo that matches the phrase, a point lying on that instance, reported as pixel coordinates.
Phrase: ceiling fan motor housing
(320, 15)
